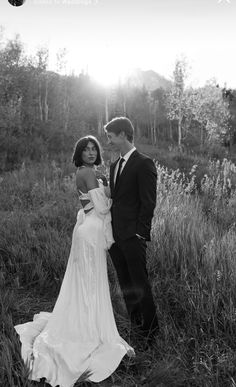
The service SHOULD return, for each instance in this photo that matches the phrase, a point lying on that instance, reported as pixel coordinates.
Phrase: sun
(107, 71)
(107, 64)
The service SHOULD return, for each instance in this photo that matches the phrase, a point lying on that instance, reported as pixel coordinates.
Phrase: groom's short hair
(121, 124)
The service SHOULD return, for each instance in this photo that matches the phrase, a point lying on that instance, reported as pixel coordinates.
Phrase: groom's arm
(147, 181)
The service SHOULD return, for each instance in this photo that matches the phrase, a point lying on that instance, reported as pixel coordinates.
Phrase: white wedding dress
(80, 334)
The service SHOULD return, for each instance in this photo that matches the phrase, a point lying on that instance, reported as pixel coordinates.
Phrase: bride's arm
(105, 183)
(107, 191)
(101, 202)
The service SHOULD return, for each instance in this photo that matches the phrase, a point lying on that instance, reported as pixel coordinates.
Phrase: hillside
(149, 78)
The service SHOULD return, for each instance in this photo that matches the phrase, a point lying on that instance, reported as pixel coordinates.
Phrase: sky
(110, 37)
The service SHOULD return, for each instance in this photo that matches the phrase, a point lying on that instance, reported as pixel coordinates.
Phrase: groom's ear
(122, 135)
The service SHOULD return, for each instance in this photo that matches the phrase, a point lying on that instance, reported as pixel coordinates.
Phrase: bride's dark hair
(81, 145)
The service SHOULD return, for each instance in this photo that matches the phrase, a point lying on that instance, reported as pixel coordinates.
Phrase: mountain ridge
(150, 79)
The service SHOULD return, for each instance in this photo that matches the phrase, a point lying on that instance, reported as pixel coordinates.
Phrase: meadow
(191, 263)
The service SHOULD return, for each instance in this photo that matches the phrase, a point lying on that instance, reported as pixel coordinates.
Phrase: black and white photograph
(117, 193)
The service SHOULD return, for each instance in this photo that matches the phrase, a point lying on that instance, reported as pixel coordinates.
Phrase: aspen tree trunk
(180, 130)
(170, 130)
(106, 108)
(155, 133)
(138, 131)
(202, 139)
(40, 102)
(100, 123)
(46, 101)
(124, 107)
(66, 112)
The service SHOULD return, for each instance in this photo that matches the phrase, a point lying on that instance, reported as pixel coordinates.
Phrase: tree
(138, 110)
(212, 112)
(61, 61)
(176, 100)
(229, 96)
(42, 64)
(64, 85)
(158, 115)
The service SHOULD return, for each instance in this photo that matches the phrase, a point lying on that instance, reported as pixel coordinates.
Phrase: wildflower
(218, 275)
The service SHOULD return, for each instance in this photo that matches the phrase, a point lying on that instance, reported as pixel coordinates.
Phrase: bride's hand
(102, 177)
(107, 191)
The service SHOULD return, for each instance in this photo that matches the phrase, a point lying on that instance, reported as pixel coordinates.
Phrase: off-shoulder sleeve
(101, 202)
(102, 205)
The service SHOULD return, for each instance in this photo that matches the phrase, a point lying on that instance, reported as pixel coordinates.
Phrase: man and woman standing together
(80, 335)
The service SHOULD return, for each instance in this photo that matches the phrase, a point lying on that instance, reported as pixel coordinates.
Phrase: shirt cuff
(139, 236)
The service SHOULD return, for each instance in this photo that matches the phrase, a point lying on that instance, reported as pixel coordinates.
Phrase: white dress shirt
(126, 158)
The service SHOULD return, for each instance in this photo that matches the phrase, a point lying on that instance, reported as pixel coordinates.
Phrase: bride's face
(89, 154)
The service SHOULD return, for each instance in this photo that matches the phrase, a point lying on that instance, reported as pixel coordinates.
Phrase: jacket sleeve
(147, 185)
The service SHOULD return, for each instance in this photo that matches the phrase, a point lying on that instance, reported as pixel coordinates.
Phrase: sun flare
(107, 74)
(105, 64)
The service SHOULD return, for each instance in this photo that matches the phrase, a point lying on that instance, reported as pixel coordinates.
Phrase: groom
(133, 191)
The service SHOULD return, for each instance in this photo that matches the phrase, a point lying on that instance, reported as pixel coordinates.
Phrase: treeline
(42, 113)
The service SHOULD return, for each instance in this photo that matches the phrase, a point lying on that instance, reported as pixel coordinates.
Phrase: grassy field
(191, 263)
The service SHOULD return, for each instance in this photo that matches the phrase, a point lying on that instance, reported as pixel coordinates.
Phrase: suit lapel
(113, 166)
(125, 170)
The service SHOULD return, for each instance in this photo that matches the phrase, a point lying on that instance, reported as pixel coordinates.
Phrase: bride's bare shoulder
(87, 177)
(85, 172)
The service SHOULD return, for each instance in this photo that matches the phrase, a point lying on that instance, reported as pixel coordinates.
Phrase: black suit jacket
(134, 197)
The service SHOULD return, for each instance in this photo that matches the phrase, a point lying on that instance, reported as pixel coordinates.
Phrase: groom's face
(115, 140)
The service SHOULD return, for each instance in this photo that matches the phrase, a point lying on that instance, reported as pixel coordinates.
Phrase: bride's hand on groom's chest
(100, 176)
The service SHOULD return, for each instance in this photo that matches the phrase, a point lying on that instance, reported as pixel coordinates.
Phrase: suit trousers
(129, 258)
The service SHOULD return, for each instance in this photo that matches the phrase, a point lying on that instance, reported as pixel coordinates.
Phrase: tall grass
(191, 263)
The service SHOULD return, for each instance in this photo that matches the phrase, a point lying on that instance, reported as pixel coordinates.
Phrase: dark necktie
(119, 169)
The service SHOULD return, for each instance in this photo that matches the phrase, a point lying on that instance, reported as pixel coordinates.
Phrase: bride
(80, 335)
